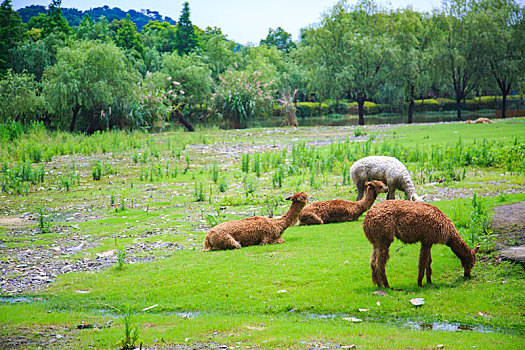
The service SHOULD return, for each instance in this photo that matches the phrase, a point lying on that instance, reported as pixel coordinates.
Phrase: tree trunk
(458, 107)
(76, 109)
(504, 105)
(236, 121)
(183, 121)
(411, 104)
(361, 109)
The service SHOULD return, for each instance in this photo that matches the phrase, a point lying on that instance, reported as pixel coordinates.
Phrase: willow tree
(352, 51)
(86, 84)
(459, 55)
(503, 41)
(413, 33)
(10, 33)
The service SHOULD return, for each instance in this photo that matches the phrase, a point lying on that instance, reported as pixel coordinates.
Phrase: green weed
(121, 255)
(131, 333)
(97, 171)
(43, 224)
(199, 192)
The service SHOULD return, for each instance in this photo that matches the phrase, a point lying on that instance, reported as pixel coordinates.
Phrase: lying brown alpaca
(412, 222)
(256, 230)
(340, 210)
(479, 121)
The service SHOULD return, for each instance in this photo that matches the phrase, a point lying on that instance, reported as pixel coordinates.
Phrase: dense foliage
(75, 17)
(101, 70)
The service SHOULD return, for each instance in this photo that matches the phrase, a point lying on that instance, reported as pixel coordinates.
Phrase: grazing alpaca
(256, 230)
(387, 169)
(339, 210)
(412, 222)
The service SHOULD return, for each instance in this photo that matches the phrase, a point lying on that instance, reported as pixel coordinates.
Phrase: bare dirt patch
(15, 222)
(508, 224)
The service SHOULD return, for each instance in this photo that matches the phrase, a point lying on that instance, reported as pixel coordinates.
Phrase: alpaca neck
(291, 216)
(409, 188)
(459, 247)
(367, 201)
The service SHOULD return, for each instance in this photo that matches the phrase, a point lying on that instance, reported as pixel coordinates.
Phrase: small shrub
(359, 131)
(257, 165)
(278, 176)
(97, 171)
(121, 255)
(131, 334)
(223, 185)
(215, 173)
(215, 219)
(245, 163)
(479, 229)
(249, 185)
(199, 193)
(43, 225)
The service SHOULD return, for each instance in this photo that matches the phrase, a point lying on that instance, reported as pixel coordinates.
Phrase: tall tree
(20, 98)
(279, 38)
(89, 79)
(160, 35)
(503, 40)
(34, 56)
(185, 37)
(413, 32)
(51, 22)
(90, 30)
(10, 33)
(460, 56)
(126, 36)
(217, 51)
(323, 51)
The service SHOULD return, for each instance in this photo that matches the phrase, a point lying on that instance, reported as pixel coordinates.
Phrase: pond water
(349, 120)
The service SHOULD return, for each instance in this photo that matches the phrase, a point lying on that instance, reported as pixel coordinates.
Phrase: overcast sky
(244, 21)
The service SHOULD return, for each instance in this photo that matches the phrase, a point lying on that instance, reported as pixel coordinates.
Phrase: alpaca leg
(429, 269)
(310, 219)
(270, 240)
(382, 258)
(373, 267)
(360, 190)
(424, 256)
(391, 193)
(223, 241)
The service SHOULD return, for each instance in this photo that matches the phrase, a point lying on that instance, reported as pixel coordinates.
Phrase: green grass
(237, 296)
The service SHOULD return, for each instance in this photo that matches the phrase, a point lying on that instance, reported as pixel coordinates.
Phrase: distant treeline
(102, 73)
(74, 17)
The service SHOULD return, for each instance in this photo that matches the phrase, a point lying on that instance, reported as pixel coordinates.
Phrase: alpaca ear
(288, 198)
(475, 250)
(368, 183)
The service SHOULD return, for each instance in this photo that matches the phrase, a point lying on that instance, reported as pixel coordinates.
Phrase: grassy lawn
(312, 291)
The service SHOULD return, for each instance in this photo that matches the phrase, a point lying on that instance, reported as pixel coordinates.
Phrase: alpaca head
(416, 198)
(469, 263)
(299, 197)
(377, 186)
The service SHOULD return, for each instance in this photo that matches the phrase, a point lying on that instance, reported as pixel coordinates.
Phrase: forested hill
(74, 16)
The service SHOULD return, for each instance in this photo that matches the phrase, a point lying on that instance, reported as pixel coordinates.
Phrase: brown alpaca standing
(412, 222)
(340, 210)
(256, 230)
